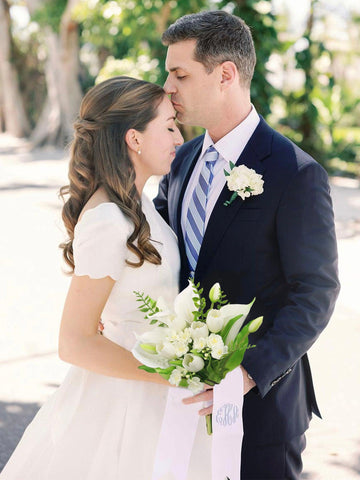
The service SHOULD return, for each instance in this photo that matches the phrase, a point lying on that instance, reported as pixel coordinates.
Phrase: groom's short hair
(219, 37)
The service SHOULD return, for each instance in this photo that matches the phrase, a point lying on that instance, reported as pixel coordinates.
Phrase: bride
(105, 419)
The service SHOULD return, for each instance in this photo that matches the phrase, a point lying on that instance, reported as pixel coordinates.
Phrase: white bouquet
(191, 345)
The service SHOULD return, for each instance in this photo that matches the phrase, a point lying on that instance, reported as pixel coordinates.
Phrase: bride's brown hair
(99, 158)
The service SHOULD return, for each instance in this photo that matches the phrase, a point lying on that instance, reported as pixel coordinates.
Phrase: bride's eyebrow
(171, 118)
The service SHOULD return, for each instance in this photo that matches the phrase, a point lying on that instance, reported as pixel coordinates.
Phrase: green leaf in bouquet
(213, 372)
(147, 369)
(176, 362)
(235, 358)
(165, 371)
(242, 337)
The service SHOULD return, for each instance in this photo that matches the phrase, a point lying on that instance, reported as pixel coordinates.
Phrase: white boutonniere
(243, 181)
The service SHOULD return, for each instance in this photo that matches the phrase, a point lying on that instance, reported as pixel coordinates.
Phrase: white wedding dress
(102, 428)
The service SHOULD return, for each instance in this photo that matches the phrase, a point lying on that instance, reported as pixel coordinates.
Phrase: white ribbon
(179, 427)
(227, 427)
(177, 437)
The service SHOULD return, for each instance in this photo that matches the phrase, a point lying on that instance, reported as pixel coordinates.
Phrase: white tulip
(255, 324)
(214, 321)
(198, 329)
(193, 363)
(215, 293)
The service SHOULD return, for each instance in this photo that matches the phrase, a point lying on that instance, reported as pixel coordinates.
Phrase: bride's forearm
(100, 355)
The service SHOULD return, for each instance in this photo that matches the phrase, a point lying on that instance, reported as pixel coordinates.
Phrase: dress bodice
(100, 250)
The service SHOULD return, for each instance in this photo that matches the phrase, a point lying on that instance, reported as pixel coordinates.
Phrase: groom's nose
(169, 86)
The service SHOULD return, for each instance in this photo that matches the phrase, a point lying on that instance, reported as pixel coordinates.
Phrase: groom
(277, 245)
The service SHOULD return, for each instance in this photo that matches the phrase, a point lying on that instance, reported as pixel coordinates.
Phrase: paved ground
(33, 289)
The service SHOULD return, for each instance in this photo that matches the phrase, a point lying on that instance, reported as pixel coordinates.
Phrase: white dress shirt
(230, 148)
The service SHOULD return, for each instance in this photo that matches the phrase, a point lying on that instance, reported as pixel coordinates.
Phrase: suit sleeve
(161, 200)
(308, 255)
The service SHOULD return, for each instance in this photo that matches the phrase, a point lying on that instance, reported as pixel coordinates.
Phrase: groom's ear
(229, 74)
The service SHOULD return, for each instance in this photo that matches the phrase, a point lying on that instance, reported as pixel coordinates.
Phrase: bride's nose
(179, 140)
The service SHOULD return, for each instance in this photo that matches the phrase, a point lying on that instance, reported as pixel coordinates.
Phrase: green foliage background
(123, 37)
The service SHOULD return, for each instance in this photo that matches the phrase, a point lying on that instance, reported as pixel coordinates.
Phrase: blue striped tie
(195, 218)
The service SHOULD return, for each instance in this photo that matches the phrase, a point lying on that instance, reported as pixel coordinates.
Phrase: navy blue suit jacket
(279, 247)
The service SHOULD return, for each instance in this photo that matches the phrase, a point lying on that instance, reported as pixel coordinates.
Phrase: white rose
(214, 321)
(199, 329)
(193, 363)
(195, 385)
(199, 343)
(175, 377)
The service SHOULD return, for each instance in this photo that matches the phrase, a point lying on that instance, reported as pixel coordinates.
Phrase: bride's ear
(133, 140)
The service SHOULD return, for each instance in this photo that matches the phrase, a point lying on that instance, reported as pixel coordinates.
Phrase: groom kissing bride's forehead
(275, 241)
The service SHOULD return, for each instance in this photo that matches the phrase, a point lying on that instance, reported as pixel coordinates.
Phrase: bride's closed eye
(171, 130)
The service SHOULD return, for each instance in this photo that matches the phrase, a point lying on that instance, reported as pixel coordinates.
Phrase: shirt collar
(233, 143)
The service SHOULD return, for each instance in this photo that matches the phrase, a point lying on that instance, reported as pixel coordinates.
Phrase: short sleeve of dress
(100, 242)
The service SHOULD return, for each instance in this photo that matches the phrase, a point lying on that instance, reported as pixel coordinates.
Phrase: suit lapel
(257, 148)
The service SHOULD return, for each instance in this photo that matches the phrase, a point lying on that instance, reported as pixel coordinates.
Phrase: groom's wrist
(249, 382)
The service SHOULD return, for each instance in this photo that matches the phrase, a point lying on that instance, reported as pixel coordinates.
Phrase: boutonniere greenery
(244, 182)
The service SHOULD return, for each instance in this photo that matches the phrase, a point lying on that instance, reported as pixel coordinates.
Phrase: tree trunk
(62, 79)
(13, 112)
